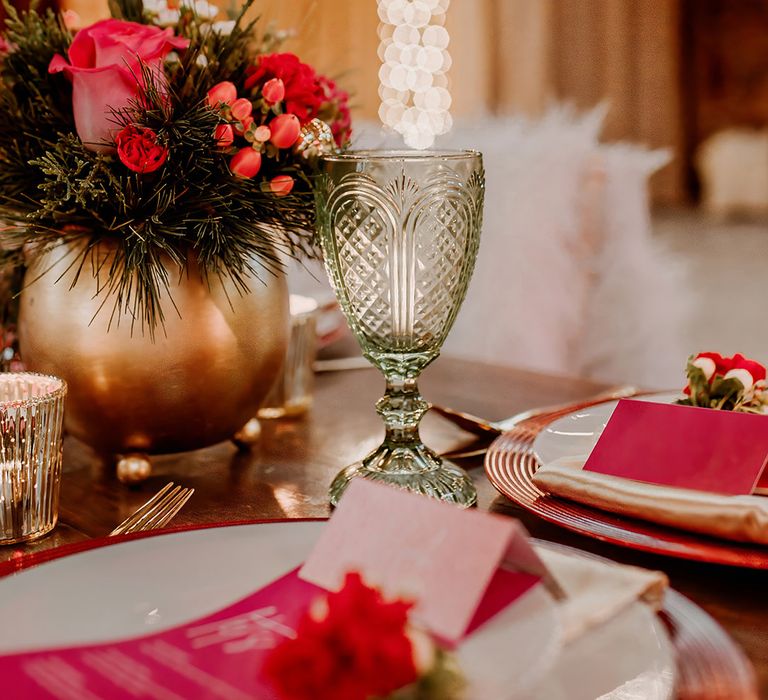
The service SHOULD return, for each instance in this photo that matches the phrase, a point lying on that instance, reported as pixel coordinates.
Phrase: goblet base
(416, 469)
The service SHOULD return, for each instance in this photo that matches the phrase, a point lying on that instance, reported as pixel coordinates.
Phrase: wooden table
(288, 473)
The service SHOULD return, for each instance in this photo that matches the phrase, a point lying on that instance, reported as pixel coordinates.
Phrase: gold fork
(157, 511)
(525, 425)
(482, 427)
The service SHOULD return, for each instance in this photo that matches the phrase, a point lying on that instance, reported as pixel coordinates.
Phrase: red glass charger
(510, 465)
(709, 664)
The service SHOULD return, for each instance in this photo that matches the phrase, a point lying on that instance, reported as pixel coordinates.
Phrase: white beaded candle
(413, 84)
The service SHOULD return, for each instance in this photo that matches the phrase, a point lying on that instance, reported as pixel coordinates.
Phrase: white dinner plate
(577, 433)
(143, 586)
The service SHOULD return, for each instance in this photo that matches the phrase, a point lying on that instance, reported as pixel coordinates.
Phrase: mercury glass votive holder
(31, 416)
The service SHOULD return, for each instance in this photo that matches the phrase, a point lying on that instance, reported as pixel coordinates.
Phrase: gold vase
(198, 381)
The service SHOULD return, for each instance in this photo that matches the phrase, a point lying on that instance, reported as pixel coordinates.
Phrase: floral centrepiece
(166, 133)
(354, 645)
(726, 383)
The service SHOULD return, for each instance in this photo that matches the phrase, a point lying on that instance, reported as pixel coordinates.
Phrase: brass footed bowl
(196, 383)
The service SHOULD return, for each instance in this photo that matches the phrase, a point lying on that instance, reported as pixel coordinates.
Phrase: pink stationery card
(458, 566)
(683, 446)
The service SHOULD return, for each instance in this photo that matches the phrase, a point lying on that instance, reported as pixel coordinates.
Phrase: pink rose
(105, 67)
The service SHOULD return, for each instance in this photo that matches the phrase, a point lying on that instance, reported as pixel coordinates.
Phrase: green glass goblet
(400, 232)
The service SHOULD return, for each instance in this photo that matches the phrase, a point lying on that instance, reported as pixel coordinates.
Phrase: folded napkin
(597, 590)
(740, 518)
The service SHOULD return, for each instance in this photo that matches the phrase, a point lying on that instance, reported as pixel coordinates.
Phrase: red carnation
(139, 149)
(303, 94)
(358, 651)
(337, 102)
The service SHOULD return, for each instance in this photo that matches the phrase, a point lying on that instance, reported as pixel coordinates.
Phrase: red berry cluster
(263, 132)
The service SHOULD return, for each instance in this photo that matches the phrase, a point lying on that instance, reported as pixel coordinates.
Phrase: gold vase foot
(133, 468)
(248, 435)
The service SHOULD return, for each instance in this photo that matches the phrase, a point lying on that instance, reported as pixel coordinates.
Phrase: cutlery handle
(466, 421)
(623, 392)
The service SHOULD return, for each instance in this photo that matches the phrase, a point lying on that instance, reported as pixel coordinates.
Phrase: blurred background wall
(512, 56)
(673, 72)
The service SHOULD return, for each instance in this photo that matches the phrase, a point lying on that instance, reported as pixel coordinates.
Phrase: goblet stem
(401, 408)
(402, 459)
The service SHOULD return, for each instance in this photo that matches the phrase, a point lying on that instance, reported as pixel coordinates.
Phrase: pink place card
(459, 567)
(683, 446)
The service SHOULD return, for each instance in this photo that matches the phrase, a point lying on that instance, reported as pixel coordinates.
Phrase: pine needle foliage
(53, 188)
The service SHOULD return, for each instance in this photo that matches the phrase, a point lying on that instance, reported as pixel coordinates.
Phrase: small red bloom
(241, 109)
(224, 135)
(223, 92)
(281, 185)
(273, 90)
(358, 651)
(285, 129)
(246, 162)
(139, 150)
(262, 133)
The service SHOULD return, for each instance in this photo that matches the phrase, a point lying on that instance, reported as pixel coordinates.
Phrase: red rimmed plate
(510, 465)
(709, 665)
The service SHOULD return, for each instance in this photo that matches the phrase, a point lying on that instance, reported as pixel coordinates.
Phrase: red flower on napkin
(752, 366)
(730, 383)
(353, 646)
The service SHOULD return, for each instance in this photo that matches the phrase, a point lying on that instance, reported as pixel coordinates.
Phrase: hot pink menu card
(683, 446)
(459, 566)
(217, 657)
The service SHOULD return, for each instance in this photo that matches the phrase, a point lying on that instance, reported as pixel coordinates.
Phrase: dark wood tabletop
(288, 472)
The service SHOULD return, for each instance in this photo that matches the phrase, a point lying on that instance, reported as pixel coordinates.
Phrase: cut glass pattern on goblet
(400, 232)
